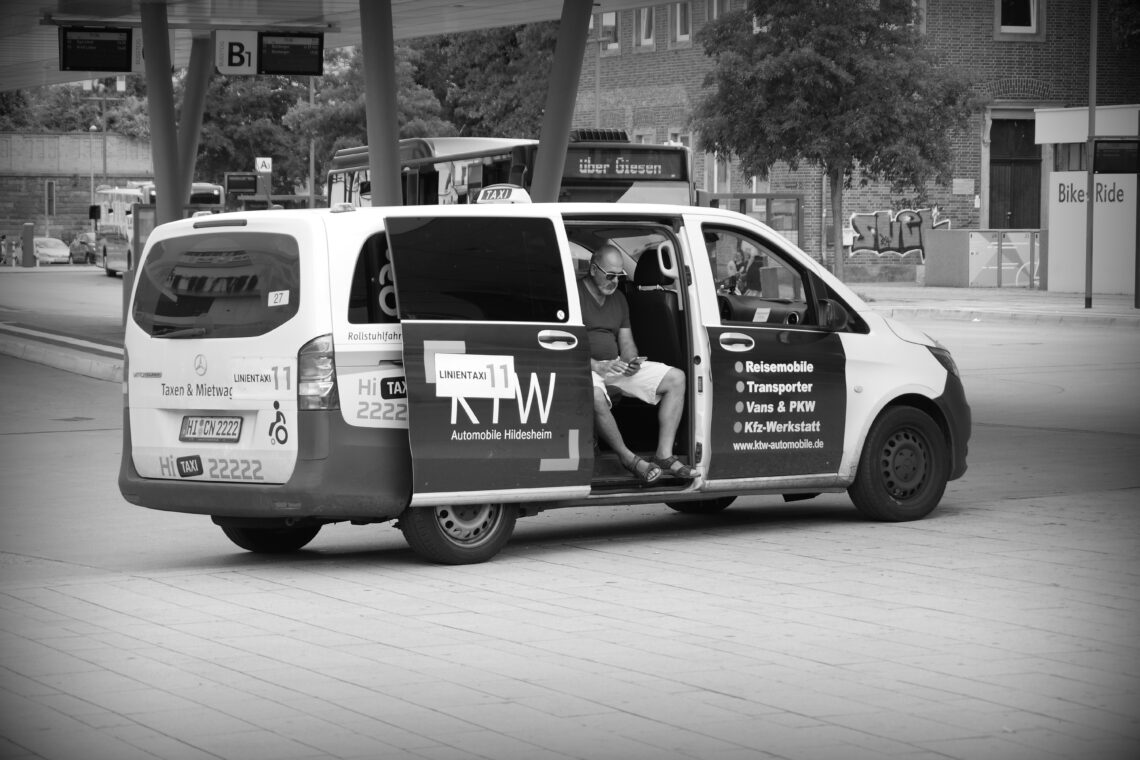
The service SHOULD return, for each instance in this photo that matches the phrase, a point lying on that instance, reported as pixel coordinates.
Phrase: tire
(460, 535)
(272, 540)
(107, 270)
(903, 468)
(702, 506)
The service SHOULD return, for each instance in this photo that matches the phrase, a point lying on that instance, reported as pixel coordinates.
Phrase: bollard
(28, 241)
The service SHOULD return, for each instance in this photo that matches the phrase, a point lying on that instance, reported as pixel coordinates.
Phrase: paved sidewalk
(910, 300)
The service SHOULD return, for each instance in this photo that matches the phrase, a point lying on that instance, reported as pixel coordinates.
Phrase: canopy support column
(160, 108)
(378, 50)
(562, 90)
(193, 106)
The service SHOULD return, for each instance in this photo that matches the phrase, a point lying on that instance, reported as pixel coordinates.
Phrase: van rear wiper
(185, 332)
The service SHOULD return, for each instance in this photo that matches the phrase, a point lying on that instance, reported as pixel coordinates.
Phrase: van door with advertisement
(496, 358)
(779, 388)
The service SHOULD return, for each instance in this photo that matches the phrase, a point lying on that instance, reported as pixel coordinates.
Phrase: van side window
(755, 284)
(484, 269)
(372, 295)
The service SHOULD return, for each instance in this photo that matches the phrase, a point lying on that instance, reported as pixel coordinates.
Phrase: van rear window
(218, 285)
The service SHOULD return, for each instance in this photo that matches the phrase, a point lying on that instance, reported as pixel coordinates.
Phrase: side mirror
(832, 315)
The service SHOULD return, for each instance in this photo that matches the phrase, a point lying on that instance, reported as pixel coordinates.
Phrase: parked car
(84, 248)
(50, 250)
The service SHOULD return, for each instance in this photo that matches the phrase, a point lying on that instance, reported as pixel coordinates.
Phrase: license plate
(210, 429)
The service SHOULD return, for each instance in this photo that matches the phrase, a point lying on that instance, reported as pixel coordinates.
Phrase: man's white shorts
(643, 384)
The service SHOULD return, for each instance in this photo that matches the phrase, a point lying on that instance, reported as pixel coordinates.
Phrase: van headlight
(316, 375)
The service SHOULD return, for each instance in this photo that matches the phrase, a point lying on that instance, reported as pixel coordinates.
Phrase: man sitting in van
(615, 363)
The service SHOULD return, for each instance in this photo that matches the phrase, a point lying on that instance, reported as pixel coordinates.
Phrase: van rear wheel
(903, 468)
(271, 540)
(458, 535)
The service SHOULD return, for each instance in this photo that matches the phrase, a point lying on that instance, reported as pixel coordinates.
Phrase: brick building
(73, 164)
(643, 72)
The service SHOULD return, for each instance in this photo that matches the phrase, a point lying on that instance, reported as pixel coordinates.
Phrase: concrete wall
(27, 162)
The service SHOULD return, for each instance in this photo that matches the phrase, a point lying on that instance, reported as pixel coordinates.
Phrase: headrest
(648, 275)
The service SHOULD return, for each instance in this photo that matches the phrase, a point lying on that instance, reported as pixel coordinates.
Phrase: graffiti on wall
(901, 233)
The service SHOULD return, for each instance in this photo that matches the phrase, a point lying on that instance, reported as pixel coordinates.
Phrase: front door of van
(499, 392)
(779, 385)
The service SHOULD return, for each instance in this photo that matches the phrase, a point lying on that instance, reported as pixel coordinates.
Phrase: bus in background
(601, 166)
(120, 218)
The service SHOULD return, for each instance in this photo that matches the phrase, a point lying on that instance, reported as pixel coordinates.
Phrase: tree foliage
(73, 108)
(243, 120)
(846, 86)
(336, 119)
(492, 83)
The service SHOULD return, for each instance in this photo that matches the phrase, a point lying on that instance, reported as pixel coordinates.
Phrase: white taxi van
(290, 369)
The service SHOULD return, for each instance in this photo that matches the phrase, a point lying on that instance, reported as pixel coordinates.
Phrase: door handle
(557, 340)
(733, 341)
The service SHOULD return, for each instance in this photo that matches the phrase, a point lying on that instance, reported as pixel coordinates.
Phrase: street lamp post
(91, 165)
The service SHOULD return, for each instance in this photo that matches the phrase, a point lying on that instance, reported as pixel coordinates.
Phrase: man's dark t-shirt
(603, 322)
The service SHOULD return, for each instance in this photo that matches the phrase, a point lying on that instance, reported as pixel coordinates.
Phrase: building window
(720, 7)
(682, 22)
(677, 136)
(607, 37)
(1019, 20)
(1069, 157)
(645, 18)
(644, 136)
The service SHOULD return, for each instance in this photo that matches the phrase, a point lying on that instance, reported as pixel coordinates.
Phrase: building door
(1015, 175)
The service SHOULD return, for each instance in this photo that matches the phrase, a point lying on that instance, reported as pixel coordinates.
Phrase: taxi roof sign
(503, 193)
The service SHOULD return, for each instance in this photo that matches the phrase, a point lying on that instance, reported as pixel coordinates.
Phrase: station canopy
(29, 37)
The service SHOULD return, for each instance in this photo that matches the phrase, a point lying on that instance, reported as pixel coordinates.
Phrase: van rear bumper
(342, 473)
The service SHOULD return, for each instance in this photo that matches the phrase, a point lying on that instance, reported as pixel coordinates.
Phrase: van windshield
(218, 285)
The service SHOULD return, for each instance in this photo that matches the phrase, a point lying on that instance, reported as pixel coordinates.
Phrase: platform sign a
(263, 165)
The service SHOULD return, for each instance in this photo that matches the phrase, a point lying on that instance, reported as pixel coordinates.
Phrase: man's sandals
(675, 467)
(646, 472)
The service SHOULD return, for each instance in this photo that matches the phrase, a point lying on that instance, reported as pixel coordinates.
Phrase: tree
(72, 108)
(336, 119)
(491, 83)
(243, 120)
(846, 86)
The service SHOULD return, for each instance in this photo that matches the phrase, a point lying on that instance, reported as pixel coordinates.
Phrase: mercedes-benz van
(429, 366)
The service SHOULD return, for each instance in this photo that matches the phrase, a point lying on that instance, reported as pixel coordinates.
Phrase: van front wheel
(458, 535)
(903, 469)
(271, 540)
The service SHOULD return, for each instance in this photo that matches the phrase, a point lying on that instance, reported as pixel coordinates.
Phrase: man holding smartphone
(615, 363)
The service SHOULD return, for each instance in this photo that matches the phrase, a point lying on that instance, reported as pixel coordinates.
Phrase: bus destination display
(623, 163)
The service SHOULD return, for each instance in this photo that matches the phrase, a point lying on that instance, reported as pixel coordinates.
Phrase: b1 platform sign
(245, 52)
(235, 51)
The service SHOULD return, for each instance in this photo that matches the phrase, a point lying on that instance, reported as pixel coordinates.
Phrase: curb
(90, 363)
(1025, 317)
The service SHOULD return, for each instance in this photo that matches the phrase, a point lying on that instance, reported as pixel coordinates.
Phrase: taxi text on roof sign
(503, 194)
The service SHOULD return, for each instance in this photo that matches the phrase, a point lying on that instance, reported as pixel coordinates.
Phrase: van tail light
(316, 375)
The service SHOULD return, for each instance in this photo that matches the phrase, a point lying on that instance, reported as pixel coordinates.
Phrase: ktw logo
(900, 233)
(468, 376)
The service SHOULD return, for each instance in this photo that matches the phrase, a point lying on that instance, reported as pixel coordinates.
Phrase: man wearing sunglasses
(615, 363)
